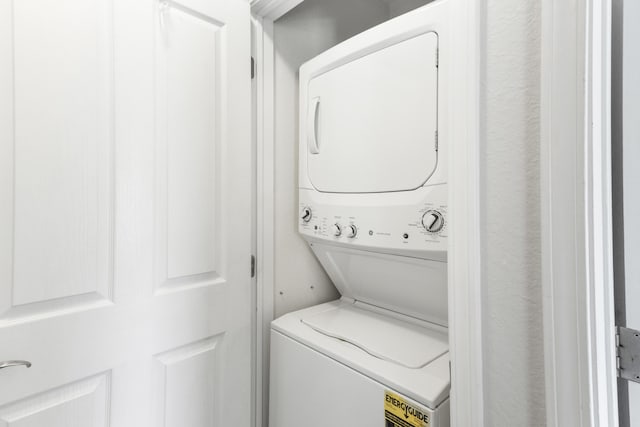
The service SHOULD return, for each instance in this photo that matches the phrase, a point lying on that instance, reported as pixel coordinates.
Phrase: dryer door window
(371, 123)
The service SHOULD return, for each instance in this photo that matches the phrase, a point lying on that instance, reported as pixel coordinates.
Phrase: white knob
(351, 231)
(337, 230)
(306, 214)
(432, 221)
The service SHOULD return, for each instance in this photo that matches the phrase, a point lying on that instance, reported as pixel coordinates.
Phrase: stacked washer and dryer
(373, 208)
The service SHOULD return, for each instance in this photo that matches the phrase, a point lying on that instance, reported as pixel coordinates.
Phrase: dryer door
(371, 123)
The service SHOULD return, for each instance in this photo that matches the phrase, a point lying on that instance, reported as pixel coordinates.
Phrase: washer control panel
(418, 229)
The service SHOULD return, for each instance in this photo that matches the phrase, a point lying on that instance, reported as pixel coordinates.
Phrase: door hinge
(253, 266)
(628, 353)
(437, 57)
(253, 68)
(436, 140)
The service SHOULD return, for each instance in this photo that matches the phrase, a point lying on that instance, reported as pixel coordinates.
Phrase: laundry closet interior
(379, 157)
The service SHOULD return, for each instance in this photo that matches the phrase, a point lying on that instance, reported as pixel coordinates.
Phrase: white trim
(465, 276)
(265, 274)
(599, 213)
(576, 214)
(561, 136)
(465, 286)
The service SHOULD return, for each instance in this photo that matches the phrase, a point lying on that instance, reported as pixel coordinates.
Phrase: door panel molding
(189, 147)
(86, 402)
(177, 370)
(57, 193)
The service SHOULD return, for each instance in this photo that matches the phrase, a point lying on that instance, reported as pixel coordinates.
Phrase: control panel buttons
(350, 231)
(337, 230)
(306, 214)
(433, 221)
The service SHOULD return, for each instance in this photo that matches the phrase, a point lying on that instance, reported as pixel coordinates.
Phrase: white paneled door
(125, 213)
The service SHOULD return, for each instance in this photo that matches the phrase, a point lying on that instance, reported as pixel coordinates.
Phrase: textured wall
(514, 354)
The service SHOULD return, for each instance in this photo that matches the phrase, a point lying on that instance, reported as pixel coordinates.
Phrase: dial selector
(433, 221)
(350, 231)
(337, 230)
(306, 214)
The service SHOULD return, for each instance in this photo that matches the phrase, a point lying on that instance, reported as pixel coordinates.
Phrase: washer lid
(410, 286)
(384, 337)
(371, 123)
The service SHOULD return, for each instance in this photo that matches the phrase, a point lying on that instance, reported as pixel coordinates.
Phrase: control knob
(337, 230)
(306, 214)
(433, 221)
(350, 231)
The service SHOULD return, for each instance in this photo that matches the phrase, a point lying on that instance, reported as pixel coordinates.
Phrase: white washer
(318, 380)
(373, 208)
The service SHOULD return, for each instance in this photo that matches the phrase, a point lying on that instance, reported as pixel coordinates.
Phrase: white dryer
(373, 208)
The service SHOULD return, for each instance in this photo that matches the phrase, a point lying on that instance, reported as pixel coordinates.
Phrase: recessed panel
(189, 384)
(62, 145)
(190, 127)
(81, 404)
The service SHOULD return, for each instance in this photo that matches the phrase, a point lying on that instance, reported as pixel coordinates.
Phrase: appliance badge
(398, 412)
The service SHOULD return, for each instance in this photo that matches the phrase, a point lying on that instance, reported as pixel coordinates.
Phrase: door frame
(578, 304)
(465, 286)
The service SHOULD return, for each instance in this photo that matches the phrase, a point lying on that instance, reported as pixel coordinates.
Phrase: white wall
(303, 33)
(514, 358)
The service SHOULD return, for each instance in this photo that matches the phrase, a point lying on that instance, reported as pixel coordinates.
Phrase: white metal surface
(380, 335)
(384, 222)
(370, 123)
(359, 402)
(124, 213)
(409, 39)
(428, 385)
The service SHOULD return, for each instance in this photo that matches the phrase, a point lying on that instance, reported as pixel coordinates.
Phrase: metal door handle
(10, 363)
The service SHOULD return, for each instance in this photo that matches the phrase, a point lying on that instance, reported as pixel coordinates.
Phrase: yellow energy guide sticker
(398, 412)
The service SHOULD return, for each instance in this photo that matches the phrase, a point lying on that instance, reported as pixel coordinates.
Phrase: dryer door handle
(312, 126)
(12, 363)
